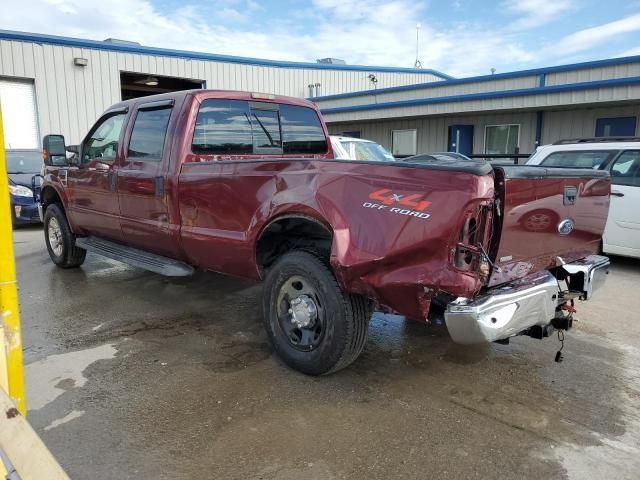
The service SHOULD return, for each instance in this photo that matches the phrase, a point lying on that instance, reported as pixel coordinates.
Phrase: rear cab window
(579, 158)
(238, 127)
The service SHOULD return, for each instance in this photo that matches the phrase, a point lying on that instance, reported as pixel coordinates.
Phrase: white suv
(621, 157)
(349, 148)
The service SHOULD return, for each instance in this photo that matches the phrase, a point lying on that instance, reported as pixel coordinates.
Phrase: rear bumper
(510, 309)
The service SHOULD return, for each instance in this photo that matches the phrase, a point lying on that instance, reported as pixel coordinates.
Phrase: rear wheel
(61, 242)
(313, 325)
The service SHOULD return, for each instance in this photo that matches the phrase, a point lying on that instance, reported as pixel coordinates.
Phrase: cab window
(302, 132)
(102, 144)
(148, 135)
(223, 128)
(626, 169)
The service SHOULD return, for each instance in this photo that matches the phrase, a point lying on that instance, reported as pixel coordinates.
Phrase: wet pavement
(132, 375)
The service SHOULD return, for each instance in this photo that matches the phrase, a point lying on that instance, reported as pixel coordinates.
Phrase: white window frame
(519, 125)
(415, 141)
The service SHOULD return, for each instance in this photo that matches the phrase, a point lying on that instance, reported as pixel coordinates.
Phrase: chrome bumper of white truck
(510, 309)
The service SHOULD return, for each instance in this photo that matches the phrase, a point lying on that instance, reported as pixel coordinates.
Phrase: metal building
(51, 84)
(494, 114)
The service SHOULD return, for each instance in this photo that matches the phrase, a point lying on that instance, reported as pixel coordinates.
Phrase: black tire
(339, 332)
(62, 249)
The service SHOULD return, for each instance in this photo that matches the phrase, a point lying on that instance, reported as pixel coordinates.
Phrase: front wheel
(61, 242)
(313, 325)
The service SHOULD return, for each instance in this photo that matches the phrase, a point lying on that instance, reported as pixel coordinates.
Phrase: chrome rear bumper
(588, 274)
(505, 311)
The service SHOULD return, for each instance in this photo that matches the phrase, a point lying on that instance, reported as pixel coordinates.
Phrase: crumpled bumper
(507, 310)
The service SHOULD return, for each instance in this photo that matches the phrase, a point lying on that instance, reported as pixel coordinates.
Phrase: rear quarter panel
(379, 247)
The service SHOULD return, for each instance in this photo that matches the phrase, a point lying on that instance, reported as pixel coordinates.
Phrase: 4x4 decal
(412, 205)
(387, 197)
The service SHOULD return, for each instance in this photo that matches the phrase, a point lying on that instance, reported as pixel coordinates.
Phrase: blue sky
(458, 37)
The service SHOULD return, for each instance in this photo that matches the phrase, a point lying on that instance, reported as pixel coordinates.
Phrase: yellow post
(11, 348)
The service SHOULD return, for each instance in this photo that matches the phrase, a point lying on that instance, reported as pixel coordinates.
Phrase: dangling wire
(559, 352)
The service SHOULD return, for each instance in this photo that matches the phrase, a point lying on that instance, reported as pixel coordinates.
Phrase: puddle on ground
(51, 376)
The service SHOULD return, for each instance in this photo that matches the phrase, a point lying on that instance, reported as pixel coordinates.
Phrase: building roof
(482, 78)
(165, 52)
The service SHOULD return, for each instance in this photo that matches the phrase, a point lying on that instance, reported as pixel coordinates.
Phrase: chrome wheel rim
(300, 313)
(54, 234)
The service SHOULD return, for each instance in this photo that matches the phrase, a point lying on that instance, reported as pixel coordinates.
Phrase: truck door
(622, 233)
(93, 203)
(141, 179)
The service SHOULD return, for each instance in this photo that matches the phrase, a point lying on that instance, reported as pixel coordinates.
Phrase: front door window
(102, 143)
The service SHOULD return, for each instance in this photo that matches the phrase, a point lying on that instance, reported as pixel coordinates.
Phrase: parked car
(620, 157)
(23, 167)
(246, 184)
(349, 148)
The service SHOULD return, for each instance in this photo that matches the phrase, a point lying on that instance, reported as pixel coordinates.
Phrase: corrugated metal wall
(433, 132)
(70, 98)
(538, 101)
(434, 92)
(581, 123)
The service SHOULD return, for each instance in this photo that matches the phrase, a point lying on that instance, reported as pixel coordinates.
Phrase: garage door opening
(134, 85)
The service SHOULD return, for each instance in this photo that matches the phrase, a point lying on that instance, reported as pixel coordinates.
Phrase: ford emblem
(566, 226)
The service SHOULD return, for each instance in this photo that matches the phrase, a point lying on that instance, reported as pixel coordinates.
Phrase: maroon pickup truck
(246, 184)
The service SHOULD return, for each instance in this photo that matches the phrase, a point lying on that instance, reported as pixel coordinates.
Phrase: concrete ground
(131, 375)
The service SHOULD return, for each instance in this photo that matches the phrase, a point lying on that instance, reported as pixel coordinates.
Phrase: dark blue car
(24, 167)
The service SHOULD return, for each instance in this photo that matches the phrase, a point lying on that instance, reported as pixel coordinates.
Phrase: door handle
(616, 193)
(112, 180)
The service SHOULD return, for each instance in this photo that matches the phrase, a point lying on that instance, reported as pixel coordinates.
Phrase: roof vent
(117, 41)
(332, 61)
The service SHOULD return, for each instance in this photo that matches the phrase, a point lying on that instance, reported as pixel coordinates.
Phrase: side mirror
(54, 151)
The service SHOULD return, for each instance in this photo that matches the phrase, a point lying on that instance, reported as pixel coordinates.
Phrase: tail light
(473, 242)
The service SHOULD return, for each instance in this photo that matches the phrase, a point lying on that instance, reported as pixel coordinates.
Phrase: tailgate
(547, 213)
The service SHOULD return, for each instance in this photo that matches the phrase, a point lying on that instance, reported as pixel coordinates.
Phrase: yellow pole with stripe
(12, 378)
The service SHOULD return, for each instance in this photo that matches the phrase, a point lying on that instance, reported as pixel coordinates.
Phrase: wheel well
(291, 233)
(48, 197)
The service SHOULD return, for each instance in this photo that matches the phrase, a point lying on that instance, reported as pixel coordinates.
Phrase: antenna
(418, 64)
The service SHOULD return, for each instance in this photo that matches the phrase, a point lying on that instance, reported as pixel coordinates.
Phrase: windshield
(368, 151)
(24, 162)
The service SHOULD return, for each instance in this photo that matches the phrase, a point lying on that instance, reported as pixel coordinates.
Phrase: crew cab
(247, 185)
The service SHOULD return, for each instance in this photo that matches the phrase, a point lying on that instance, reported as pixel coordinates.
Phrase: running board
(134, 257)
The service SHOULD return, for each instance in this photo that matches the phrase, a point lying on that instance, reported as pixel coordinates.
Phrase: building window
(616, 127)
(352, 134)
(404, 143)
(501, 139)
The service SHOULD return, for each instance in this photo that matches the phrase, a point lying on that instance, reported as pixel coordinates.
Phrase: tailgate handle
(570, 194)
(616, 193)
